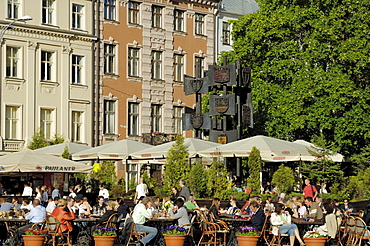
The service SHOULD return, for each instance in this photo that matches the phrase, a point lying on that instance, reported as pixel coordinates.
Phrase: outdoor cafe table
(233, 224)
(303, 226)
(160, 223)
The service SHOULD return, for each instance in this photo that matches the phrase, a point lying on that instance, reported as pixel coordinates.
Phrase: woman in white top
(72, 192)
(104, 193)
(38, 193)
(282, 219)
(302, 209)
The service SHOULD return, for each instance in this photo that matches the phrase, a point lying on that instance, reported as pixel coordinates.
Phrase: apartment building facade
(46, 71)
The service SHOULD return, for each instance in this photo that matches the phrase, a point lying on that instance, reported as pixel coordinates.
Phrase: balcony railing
(13, 145)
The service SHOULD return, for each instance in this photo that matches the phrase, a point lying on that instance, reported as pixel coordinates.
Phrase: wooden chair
(265, 236)
(135, 236)
(341, 229)
(276, 235)
(55, 236)
(209, 233)
(191, 228)
(362, 231)
(350, 230)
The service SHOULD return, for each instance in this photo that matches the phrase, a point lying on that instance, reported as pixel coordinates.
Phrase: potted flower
(104, 236)
(174, 235)
(247, 236)
(34, 237)
(312, 238)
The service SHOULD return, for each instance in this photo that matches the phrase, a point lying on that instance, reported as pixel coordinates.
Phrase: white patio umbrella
(271, 149)
(193, 146)
(58, 149)
(32, 161)
(311, 147)
(118, 150)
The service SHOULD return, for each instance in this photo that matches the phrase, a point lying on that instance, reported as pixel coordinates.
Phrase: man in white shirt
(104, 193)
(52, 205)
(141, 190)
(141, 212)
(27, 191)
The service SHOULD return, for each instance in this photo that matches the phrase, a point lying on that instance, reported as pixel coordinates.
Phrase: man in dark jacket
(258, 216)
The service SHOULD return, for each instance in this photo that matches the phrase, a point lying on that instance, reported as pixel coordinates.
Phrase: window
(77, 16)
(199, 24)
(47, 65)
(199, 67)
(109, 116)
(133, 62)
(178, 67)
(178, 24)
(156, 65)
(177, 119)
(133, 13)
(12, 122)
(156, 118)
(156, 16)
(225, 33)
(46, 122)
(109, 62)
(13, 62)
(76, 126)
(133, 119)
(109, 9)
(47, 11)
(77, 68)
(13, 9)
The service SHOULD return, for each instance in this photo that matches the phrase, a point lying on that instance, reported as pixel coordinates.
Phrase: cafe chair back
(265, 235)
(191, 228)
(341, 229)
(55, 235)
(350, 230)
(209, 233)
(362, 231)
(134, 236)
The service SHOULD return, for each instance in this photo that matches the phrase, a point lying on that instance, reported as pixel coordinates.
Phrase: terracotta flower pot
(247, 240)
(315, 241)
(33, 240)
(174, 240)
(104, 240)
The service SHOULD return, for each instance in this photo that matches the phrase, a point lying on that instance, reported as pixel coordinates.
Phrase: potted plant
(312, 238)
(174, 235)
(34, 237)
(247, 236)
(104, 236)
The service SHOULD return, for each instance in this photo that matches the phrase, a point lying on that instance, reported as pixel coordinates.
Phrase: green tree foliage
(217, 179)
(39, 140)
(254, 166)
(149, 181)
(362, 160)
(323, 169)
(198, 177)
(66, 154)
(176, 167)
(107, 174)
(283, 178)
(310, 67)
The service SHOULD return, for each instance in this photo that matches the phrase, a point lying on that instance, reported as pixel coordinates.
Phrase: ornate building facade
(47, 71)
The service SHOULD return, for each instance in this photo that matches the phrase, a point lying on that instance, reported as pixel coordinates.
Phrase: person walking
(184, 190)
(141, 190)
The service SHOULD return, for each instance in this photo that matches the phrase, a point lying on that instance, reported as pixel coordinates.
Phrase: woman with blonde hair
(282, 221)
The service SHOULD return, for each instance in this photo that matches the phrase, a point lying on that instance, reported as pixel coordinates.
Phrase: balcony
(12, 145)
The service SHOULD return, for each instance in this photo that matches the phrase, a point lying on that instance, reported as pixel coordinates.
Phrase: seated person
(282, 219)
(191, 204)
(16, 203)
(346, 207)
(64, 214)
(139, 215)
(269, 205)
(258, 216)
(122, 209)
(330, 227)
(26, 206)
(180, 213)
(215, 211)
(8, 205)
(52, 205)
(156, 203)
(233, 207)
(99, 208)
(229, 205)
(110, 205)
(314, 211)
(36, 215)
